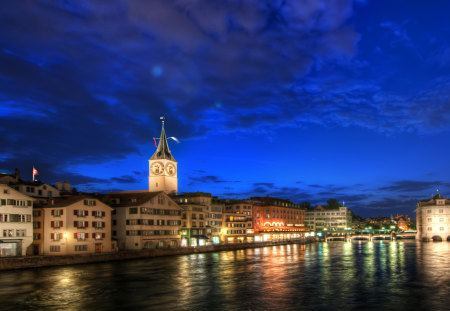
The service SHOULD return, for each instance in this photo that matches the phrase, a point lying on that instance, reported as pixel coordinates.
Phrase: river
(380, 275)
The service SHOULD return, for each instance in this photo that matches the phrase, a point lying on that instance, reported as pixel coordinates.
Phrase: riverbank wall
(12, 263)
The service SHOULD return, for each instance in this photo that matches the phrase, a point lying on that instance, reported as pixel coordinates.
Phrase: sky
(304, 100)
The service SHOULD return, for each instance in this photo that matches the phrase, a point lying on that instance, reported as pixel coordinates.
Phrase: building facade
(276, 219)
(144, 220)
(238, 222)
(16, 222)
(163, 174)
(433, 219)
(331, 221)
(72, 225)
(195, 230)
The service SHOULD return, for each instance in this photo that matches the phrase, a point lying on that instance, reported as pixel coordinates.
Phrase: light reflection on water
(378, 275)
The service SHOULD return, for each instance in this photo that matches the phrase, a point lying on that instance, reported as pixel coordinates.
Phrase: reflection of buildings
(16, 227)
(275, 219)
(72, 225)
(330, 220)
(433, 219)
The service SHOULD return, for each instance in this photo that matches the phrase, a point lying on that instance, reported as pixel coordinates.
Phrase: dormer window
(440, 202)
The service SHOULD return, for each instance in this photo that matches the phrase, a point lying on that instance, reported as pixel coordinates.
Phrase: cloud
(126, 179)
(413, 186)
(209, 179)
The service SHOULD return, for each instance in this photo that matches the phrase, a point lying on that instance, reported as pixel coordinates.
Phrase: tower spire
(162, 151)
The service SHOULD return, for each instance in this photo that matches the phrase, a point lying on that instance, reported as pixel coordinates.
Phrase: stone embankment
(11, 263)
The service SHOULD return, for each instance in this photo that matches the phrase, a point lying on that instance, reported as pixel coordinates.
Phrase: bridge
(371, 236)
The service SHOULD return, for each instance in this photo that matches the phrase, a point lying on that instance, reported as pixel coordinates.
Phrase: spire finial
(162, 120)
(437, 190)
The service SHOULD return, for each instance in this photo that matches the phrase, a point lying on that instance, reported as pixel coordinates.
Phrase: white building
(433, 219)
(16, 222)
(332, 221)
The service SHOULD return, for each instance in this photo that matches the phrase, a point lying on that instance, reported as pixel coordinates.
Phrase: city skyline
(299, 100)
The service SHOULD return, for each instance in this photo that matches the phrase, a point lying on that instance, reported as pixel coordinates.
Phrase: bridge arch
(437, 238)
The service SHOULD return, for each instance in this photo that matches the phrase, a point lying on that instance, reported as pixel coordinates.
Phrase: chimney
(17, 175)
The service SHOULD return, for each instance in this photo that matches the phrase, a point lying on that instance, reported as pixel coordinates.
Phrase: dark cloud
(413, 186)
(208, 179)
(126, 179)
(264, 184)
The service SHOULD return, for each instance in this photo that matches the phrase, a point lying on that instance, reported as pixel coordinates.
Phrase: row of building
(135, 220)
(41, 219)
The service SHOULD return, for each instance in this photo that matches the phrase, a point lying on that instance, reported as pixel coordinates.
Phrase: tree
(333, 204)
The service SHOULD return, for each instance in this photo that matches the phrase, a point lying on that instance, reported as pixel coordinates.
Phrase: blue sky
(307, 100)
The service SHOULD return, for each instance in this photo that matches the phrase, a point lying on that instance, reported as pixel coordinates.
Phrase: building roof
(66, 201)
(163, 151)
(433, 200)
(130, 198)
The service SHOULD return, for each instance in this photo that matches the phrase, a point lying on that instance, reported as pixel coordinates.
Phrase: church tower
(163, 168)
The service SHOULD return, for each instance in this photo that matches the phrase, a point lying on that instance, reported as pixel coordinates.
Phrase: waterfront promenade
(11, 263)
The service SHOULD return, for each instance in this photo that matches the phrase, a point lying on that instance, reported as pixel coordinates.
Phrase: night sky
(307, 100)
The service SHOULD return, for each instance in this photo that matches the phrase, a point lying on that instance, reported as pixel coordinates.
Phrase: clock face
(170, 169)
(157, 168)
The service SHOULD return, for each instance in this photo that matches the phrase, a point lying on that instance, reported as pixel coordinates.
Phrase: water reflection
(326, 276)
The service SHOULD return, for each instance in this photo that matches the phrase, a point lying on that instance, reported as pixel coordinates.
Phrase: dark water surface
(324, 276)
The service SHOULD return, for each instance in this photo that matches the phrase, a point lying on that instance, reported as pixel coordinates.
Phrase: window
(428, 211)
(114, 222)
(90, 202)
(81, 248)
(81, 224)
(99, 236)
(2, 202)
(441, 211)
(441, 228)
(36, 224)
(56, 236)
(36, 213)
(430, 228)
(56, 224)
(80, 236)
(36, 236)
(160, 222)
(8, 233)
(55, 248)
(20, 232)
(132, 210)
(160, 199)
(57, 212)
(98, 214)
(5, 191)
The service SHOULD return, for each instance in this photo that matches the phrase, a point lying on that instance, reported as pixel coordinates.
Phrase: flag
(154, 139)
(35, 172)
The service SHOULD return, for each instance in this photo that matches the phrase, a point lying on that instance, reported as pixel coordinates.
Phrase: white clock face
(157, 168)
(170, 169)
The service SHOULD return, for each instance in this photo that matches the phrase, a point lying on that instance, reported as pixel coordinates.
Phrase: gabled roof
(69, 200)
(129, 198)
(433, 200)
(163, 151)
